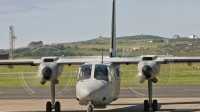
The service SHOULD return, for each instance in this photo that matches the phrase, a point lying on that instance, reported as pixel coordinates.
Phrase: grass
(170, 74)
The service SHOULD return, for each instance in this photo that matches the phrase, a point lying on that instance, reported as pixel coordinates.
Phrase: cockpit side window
(101, 72)
(84, 72)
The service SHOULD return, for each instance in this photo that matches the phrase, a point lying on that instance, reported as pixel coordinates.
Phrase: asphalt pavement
(125, 92)
(170, 98)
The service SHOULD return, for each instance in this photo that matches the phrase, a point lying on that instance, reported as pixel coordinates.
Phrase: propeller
(131, 76)
(30, 79)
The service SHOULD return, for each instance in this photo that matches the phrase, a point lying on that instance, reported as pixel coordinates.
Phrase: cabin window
(85, 72)
(101, 72)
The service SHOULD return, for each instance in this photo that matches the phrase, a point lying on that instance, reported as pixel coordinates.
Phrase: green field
(170, 74)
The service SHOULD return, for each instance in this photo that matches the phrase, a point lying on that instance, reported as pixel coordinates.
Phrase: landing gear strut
(90, 107)
(149, 103)
(52, 105)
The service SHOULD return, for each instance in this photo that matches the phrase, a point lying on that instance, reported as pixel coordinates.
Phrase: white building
(193, 37)
(176, 37)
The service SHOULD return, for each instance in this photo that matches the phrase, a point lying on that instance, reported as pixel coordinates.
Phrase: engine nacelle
(148, 70)
(50, 71)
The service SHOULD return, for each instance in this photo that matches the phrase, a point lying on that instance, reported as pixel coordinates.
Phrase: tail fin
(113, 33)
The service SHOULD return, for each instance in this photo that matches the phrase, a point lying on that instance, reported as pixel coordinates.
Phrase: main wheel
(57, 107)
(155, 105)
(146, 105)
(90, 109)
(48, 107)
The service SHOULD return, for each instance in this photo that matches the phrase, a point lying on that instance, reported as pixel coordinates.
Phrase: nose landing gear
(90, 107)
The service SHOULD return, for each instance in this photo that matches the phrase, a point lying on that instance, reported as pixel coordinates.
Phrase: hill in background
(126, 45)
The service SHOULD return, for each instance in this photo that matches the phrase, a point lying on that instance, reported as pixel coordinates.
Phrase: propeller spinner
(147, 70)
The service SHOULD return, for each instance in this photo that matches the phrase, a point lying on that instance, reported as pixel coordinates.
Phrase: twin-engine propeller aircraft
(99, 78)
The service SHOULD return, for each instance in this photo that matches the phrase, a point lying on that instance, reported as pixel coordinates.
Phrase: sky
(61, 21)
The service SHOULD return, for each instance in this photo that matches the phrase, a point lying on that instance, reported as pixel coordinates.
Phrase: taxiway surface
(170, 98)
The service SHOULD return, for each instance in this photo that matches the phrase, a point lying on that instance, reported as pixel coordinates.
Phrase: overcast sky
(60, 21)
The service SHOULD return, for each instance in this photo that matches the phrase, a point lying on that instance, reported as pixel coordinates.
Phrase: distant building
(166, 40)
(176, 36)
(136, 49)
(181, 44)
(193, 37)
(51, 44)
(22, 47)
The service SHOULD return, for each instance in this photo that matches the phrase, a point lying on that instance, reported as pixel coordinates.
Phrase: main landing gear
(49, 107)
(153, 105)
(53, 105)
(149, 103)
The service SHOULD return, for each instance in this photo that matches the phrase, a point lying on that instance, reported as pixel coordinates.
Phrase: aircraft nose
(91, 91)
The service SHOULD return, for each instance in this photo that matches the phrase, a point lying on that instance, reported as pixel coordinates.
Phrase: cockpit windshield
(85, 72)
(101, 72)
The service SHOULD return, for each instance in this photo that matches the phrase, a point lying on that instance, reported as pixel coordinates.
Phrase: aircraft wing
(130, 60)
(177, 59)
(70, 61)
(116, 60)
(66, 60)
(31, 62)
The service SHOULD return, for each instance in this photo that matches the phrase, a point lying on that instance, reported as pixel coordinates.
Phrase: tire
(57, 107)
(146, 105)
(155, 105)
(48, 107)
(90, 109)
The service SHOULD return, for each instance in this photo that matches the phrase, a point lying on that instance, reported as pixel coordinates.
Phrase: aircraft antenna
(113, 33)
(102, 57)
(12, 42)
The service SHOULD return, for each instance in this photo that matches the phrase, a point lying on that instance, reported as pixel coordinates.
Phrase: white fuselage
(99, 90)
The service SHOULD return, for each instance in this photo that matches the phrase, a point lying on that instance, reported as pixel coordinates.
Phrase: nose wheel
(153, 105)
(49, 107)
(90, 108)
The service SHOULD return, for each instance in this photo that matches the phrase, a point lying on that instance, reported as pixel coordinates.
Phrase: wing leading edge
(131, 60)
(32, 62)
(116, 60)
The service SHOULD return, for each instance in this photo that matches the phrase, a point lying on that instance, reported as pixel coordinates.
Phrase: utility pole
(12, 42)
